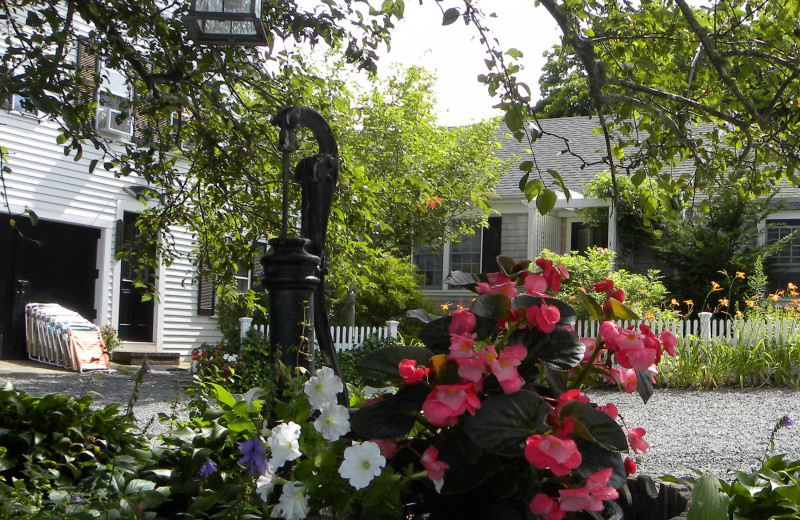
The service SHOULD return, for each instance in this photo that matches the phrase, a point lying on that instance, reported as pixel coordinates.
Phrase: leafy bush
(232, 305)
(644, 294)
(348, 359)
(110, 337)
(238, 365)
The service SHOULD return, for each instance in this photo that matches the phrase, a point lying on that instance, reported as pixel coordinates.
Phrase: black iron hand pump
(295, 270)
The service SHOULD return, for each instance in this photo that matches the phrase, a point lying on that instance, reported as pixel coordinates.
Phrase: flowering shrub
(493, 411)
(237, 365)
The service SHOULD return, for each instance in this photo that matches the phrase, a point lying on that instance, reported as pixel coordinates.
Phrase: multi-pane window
(430, 264)
(786, 263)
(18, 103)
(465, 255)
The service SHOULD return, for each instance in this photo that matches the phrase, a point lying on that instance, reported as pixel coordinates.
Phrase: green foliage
(393, 290)
(643, 293)
(706, 250)
(238, 365)
(110, 337)
(771, 491)
(563, 86)
(752, 361)
(232, 305)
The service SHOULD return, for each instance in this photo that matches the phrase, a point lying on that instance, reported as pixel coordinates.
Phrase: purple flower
(207, 469)
(78, 500)
(787, 421)
(253, 455)
(147, 367)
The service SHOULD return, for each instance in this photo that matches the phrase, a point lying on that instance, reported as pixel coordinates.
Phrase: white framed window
(113, 116)
(19, 104)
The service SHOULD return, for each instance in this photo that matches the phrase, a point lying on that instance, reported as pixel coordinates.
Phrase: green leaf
(470, 466)
(595, 457)
(379, 368)
(526, 166)
(708, 501)
(491, 306)
(533, 189)
(523, 181)
(436, 336)
(502, 423)
(546, 201)
(462, 279)
(450, 16)
(590, 304)
(223, 396)
(560, 348)
(138, 485)
(621, 311)
(33, 216)
(422, 315)
(595, 425)
(391, 417)
(644, 384)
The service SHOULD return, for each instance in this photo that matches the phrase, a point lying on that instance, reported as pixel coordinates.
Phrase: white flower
(266, 482)
(230, 358)
(293, 504)
(283, 443)
(323, 387)
(362, 462)
(333, 422)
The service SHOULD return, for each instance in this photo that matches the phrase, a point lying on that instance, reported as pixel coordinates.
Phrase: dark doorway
(135, 314)
(585, 237)
(50, 262)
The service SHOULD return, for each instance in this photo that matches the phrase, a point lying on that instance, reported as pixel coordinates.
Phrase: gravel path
(712, 431)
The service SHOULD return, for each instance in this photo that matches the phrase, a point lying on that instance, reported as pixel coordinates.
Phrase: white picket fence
(736, 331)
(344, 338)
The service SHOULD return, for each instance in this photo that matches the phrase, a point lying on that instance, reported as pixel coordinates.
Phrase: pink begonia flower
(461, 322)
(535, 285)
(573, 394)
(488, 354)
(446, 402)
(411, 373)
(565, 428)
(669, 341)
(387, 447)
(544, 317)
(512, 384)
(626, 377)
(549, 452)
(461, 345)
(552, 274)
(505, 367)
(591, 345)
(609, 330)
(635, 440)
(610, 409)
(434, 467)
(497, 278)
(546, 507)
(591, 496)
(508, 289)
(470, 368)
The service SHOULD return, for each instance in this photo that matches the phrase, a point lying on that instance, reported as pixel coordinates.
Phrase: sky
(456, 56)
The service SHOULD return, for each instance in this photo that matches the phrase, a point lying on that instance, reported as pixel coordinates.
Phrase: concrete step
(128, 357)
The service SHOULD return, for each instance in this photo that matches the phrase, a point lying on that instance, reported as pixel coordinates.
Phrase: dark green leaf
(708, 501)
(491, 306)
(391, 417)
(469, 464)
(435, 335)
(533, 189)
(379, 367)
(462, 279)
(421, 315)
(644, 384)
(503, 423)
(595, 458)
(595, 425)
(560, 348)
(450, 16)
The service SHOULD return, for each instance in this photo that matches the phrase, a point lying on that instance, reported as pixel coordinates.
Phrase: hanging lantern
(226, 22)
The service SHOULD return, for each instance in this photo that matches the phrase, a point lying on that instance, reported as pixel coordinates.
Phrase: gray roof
(550, 154)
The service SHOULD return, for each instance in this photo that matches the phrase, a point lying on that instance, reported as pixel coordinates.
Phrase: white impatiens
(266, 482)
(293, 504)
(323, 387)
(333, 421)
(284, 443)
(362, 462)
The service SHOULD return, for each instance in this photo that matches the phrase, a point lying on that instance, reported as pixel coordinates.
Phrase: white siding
(514, 239)
(59, 189)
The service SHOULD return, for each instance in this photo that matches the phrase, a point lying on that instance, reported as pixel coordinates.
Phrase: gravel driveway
(707, 430)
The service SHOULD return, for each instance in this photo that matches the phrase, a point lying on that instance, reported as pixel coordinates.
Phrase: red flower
(546, 507)
(630, 467)
(411, 373)
(544, 317)
(461, 322)
(605, 286)
(434, 467)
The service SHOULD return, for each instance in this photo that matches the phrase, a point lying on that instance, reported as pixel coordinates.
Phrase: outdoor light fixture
(226, 22)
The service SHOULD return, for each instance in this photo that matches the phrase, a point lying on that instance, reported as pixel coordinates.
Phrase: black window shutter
(491, 244)
(206, 295)
(258, 269)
